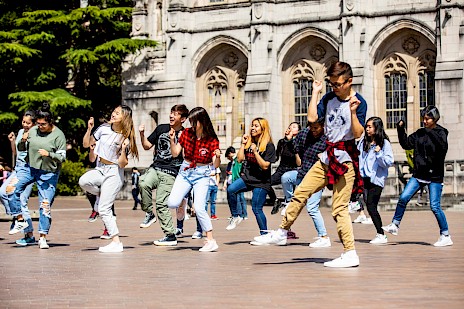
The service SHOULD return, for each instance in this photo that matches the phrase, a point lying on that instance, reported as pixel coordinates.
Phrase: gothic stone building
(242, 59)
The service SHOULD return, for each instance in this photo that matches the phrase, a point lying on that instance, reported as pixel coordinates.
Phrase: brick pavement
(407, 273)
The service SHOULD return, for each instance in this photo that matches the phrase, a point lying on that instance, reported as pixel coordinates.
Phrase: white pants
(104, 181)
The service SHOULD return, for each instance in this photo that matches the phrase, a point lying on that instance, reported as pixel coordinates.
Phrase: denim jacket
(374, 165)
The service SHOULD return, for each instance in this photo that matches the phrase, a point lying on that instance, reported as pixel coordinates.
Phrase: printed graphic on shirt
(203, 152)
(164, 147)
(250, 157)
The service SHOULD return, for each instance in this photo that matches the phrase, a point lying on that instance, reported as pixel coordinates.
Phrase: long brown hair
(128, 130)
(265, 136)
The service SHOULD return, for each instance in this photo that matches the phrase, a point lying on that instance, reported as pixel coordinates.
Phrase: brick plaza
(407, 273)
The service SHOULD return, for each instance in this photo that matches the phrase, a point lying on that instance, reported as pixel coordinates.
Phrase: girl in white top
(114, 141)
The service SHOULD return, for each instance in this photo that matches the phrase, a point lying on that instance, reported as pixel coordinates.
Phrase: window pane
(395, 98)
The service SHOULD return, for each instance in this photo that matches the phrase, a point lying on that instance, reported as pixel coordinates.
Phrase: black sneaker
(276, 207)
(150, 218)
(169, 240)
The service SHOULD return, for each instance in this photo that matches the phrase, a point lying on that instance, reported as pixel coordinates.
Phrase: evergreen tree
(70, 56)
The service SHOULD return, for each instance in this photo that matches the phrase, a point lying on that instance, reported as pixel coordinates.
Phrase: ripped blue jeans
(46, 184)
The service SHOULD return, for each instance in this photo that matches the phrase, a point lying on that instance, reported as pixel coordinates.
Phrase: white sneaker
(234, 222)
(321, 242)
(367, 221)
(353, 207)
(360, 219)
(443, 241)
(284, 210)
(18, 227)
(391, 228)
(379, 239)
(43, 243)
(273, 237)
(112, 247)
(210, 245)
(197, 235)
(347, 259)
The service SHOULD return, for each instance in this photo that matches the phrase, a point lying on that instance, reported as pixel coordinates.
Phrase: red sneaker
(93, 216)
(214, 217)
(105, 235)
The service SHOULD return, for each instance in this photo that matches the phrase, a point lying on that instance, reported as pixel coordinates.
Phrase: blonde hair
(128, 130)
(265, 136)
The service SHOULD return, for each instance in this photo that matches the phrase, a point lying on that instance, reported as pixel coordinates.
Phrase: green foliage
(8, 119)
(68, 183)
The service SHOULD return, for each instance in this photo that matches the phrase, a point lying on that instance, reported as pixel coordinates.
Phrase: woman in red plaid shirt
(201, 155)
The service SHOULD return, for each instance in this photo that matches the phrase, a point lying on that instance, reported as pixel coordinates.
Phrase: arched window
(396, 95)
(217, 99)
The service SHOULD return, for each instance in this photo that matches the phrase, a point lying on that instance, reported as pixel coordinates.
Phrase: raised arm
(145, 143)
(241, 151)
(312, 108)
(175, 148)
(88, 138)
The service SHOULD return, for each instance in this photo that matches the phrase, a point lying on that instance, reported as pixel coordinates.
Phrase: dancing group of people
(324, 154)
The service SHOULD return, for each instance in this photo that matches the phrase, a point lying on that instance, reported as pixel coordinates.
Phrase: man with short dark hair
(345, 113)
(161, 174)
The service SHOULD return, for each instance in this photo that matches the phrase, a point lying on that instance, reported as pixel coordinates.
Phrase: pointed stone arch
(304, 57)
(220, 74)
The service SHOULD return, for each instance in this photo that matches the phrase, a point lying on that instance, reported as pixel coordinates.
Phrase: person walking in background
(200, 145)
(9, 185)
(214, 180)
(345, 112)
(430, 145)
(135, 187)
(45, 144)
(114, 142)
(257, 152)
(162, 174)
(233, 171)
(375, 159)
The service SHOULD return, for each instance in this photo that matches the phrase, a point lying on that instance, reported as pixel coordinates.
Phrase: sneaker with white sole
(105, 235)
(391, 228)
(234, 222)
(168, 240)
(360, 219)
(112, 247)
(353, 207)
(380, 239)
(197, 235)
(26, 241)
(43, 243)
(444, 241)
(18, 227)
(367, 221)
(273, 237)
(210, 245)
(150, 218)
(321, 242)
(347, 259)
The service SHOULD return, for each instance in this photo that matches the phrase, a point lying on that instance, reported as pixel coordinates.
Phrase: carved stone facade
(248, 58)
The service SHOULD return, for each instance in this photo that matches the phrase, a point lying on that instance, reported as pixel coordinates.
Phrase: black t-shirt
(286, 153)
(252, 174)
(163, 160)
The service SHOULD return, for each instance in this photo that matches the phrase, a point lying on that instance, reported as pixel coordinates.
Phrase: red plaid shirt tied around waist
(197, 150)
(337, 169)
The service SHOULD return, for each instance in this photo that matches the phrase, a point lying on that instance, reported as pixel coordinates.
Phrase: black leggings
(372, 194)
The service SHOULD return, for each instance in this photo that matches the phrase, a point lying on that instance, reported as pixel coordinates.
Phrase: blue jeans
(257, 202)
(20, 169)
(46, 184)
(435, 190)
(211, 197)
(196, 178)
(312, 204)
(242, 204)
